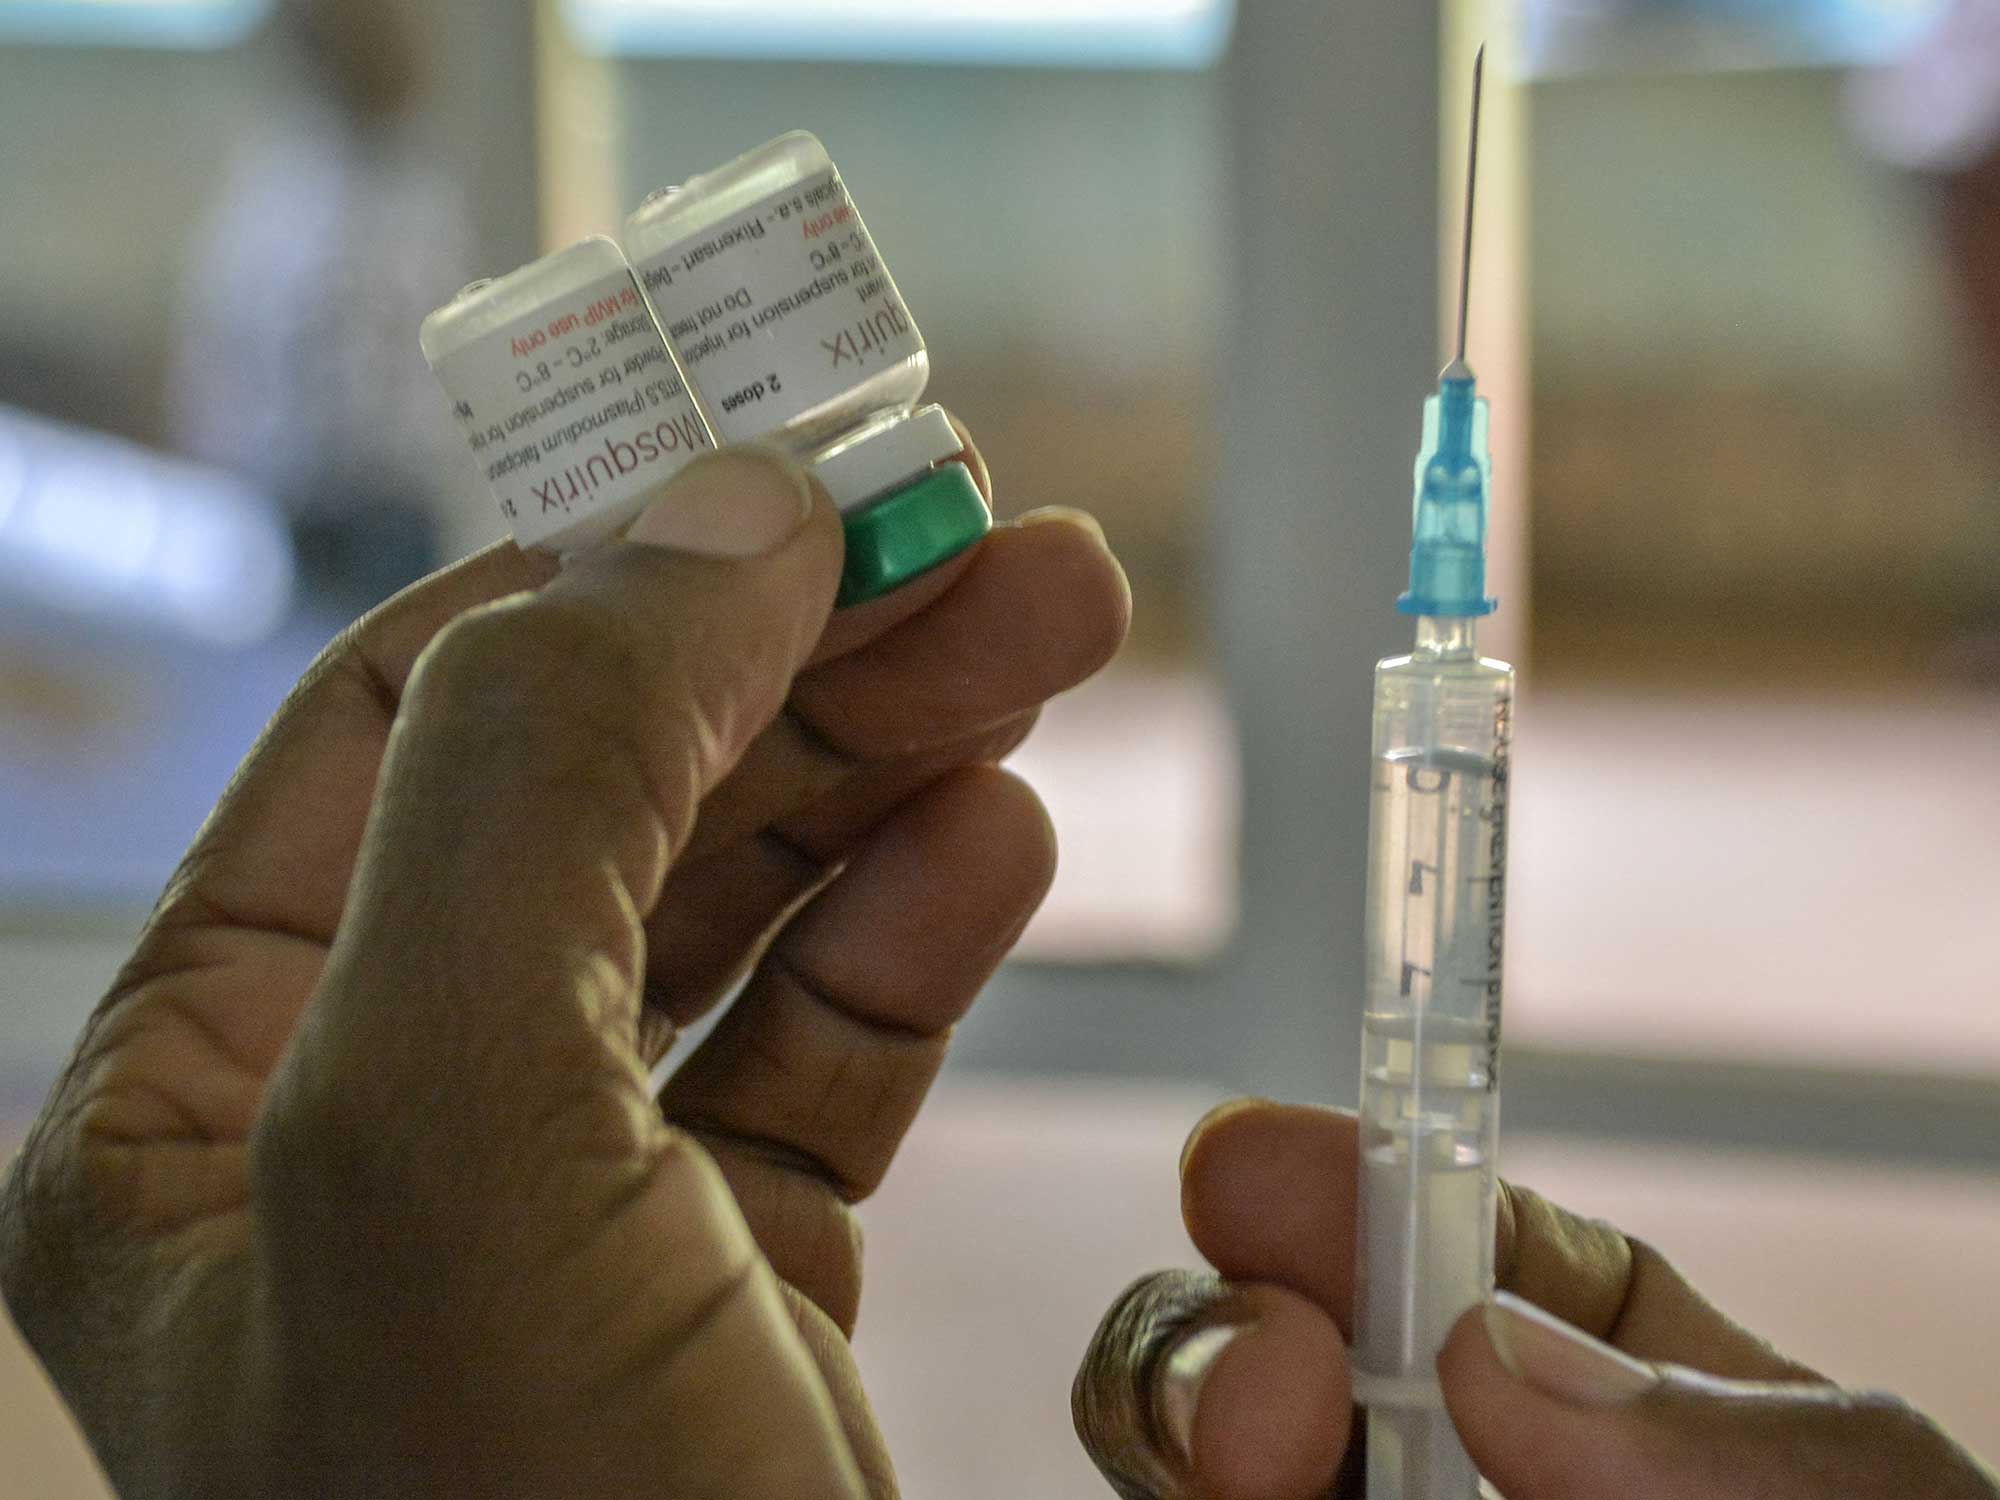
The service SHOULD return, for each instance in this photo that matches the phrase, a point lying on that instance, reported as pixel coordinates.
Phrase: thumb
(1549, 1413)
(546, 766)
(467, 1201)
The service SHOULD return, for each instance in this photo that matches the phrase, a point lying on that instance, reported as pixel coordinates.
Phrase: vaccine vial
(792, 333)
(569, 398)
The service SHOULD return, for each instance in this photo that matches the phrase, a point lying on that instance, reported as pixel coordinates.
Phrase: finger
(716, 914)
(834, 1355)
(1547, 1412)
(1268, 1193)
(1040, 607)
(1043, 606)
(1045, 595)
(1192, 1387)
(804, 1090)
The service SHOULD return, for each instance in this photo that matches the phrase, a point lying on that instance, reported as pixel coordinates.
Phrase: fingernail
(1214, 1118)
(1562, 1361)
(727, 505)
(1067, 515)
(1178, 1387)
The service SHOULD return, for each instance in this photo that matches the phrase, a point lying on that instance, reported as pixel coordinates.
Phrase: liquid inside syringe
(1430, 1036)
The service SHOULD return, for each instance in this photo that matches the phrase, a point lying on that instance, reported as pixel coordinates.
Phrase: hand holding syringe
(1354, 1256)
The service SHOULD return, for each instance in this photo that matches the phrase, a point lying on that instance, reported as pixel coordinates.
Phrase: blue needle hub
(1448, 528)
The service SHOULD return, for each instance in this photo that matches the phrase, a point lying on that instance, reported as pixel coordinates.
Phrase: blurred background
(1737, 302)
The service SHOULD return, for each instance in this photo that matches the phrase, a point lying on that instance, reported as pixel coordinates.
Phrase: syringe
(1430, 1033)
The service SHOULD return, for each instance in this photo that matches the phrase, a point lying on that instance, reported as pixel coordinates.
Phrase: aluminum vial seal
(570, 401)
(903, 507)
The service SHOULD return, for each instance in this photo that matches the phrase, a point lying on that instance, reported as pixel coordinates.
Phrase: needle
(1471, 181)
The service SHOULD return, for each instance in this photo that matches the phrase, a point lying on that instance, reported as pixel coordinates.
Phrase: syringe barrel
(1430, 1043)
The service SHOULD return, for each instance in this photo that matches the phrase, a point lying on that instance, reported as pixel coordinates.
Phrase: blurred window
(1060, 33)
(1586, 36)
(1766, 564)
(131, 23)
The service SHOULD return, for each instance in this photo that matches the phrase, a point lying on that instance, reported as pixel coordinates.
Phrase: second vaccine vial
(791, 332)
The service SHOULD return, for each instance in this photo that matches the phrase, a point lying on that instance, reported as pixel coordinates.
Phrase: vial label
(573, 412)
(780, 308)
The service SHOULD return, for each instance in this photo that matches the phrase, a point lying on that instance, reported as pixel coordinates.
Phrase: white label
(780, 308)
(573, 413)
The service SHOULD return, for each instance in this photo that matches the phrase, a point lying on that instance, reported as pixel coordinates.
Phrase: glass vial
(792, 333)
(571, 402)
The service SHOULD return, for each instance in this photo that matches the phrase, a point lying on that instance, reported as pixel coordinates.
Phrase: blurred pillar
(577, 113)
(485, 80)
(483, 123)
(1331, 347)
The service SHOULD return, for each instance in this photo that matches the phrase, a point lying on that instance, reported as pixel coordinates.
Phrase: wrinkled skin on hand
(355, 1183)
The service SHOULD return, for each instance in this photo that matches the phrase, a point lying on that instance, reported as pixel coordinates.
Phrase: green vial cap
(910, 531)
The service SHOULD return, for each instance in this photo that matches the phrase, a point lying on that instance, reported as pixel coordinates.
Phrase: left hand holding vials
(355, 1186)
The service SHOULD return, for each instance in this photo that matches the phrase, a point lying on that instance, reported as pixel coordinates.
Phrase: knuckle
(472, 650)
(1551, 1255)
(341, 1148)
(311, 1153)
(527, 657)
(544, 687)
(812, 1238)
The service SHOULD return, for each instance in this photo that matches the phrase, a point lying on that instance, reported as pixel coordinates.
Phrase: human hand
(1598, 1372)
(354, 1184)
